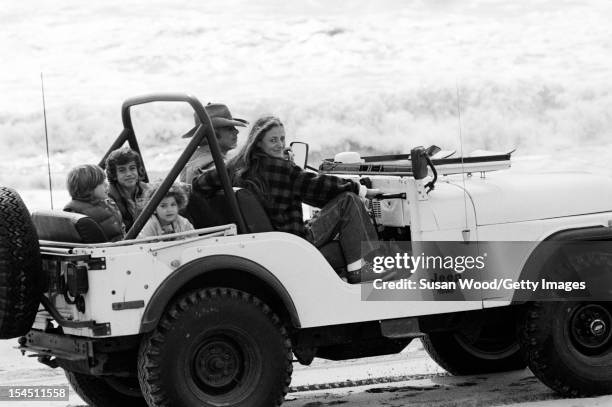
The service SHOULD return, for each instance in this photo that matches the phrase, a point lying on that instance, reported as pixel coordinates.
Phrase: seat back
(71, 227)
(214, 211)
(204, 212)
(253, 213)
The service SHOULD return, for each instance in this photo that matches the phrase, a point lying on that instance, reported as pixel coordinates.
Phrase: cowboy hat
(220, 116)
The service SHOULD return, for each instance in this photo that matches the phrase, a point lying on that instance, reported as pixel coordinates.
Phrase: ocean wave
(380, 79)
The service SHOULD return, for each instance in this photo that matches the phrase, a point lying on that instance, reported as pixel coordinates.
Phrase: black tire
(216, 347)
(102, 391)
(568, 346)
(21, 284)
(490, 347)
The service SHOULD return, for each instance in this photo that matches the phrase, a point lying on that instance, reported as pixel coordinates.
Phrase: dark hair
(245, 166)
(122, 156)
(176, 191)
(82, 180)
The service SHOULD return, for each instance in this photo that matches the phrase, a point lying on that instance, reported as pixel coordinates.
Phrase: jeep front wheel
(569, 346)
(216, 347)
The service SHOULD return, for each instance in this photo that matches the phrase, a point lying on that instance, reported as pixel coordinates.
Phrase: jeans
(345, 216)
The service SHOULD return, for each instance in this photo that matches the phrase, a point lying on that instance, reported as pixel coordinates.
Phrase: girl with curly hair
(166, 218)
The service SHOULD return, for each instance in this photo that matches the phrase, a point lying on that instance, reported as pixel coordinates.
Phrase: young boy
(88, 188)
(166, 218)
(125, 171)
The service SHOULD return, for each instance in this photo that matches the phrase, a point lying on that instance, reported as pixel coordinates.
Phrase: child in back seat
(166, 218)
(89, 191)
(125, 173)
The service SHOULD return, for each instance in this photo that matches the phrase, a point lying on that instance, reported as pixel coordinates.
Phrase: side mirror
(300, 153)
(419, 164)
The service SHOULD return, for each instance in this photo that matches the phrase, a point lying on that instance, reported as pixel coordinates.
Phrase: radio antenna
(466, 231)
(42, 88)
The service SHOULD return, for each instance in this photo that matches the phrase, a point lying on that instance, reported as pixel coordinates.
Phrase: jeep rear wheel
(487, 346)
(102, 391)
(216, 347)
(569, 346)
(21, 284)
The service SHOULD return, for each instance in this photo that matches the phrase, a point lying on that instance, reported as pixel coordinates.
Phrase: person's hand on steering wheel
(288, 154)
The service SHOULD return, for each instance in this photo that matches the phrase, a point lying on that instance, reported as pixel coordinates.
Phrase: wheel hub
(591, 328)
(598, 327)
(217, 364)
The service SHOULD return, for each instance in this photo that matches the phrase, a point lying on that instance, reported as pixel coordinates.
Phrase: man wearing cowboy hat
(227, 138)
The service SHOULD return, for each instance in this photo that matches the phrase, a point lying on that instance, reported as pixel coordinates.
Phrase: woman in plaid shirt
(281, 186)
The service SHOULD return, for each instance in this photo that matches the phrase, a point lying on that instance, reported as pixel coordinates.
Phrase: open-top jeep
(215, 316)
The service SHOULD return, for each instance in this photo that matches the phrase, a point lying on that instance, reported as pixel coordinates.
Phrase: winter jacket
(104, 212)
(130, 207)
(154, 228)
(287, 187)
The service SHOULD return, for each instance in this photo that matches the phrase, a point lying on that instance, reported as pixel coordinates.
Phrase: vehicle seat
(214, 211)
(71, 227)
(253, 213)
(206, 212)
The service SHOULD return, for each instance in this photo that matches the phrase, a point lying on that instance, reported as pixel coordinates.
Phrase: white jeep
(215, 316)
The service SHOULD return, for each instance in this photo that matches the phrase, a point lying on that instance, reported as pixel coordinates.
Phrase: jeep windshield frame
(203, 129)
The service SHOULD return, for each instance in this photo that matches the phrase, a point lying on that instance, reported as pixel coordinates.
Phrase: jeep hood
(508, 196)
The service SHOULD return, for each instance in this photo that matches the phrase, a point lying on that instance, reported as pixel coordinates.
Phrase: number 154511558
(33, 393)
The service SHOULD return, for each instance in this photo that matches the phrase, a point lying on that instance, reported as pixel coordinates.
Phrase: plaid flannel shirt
(288, 186)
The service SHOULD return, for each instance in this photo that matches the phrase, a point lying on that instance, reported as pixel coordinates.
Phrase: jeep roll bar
(204, 129)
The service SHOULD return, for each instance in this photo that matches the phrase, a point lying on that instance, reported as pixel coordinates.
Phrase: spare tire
(21, 282)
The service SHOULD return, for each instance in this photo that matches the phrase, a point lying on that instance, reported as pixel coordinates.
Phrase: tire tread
(151, 347)
(21, 282)
(536, 342)
(97, 393)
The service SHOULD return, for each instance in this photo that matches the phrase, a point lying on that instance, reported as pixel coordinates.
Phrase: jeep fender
(548, 255)
(180, 278)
